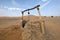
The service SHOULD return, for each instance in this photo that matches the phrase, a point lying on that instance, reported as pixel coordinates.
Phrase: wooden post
(41, 22)
(22, 18)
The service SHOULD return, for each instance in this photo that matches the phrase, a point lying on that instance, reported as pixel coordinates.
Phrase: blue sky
(14, 7)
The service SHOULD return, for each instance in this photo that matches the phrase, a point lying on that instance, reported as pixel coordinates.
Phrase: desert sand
(11, 28)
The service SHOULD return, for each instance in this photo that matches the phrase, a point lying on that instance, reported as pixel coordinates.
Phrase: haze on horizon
(14, 7)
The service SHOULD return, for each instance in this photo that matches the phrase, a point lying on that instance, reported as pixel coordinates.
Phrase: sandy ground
(11, 28)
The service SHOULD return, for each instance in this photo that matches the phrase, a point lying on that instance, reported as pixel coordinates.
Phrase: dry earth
(11, 28)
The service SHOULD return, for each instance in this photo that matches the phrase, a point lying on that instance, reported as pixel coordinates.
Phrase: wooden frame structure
(41, 22)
